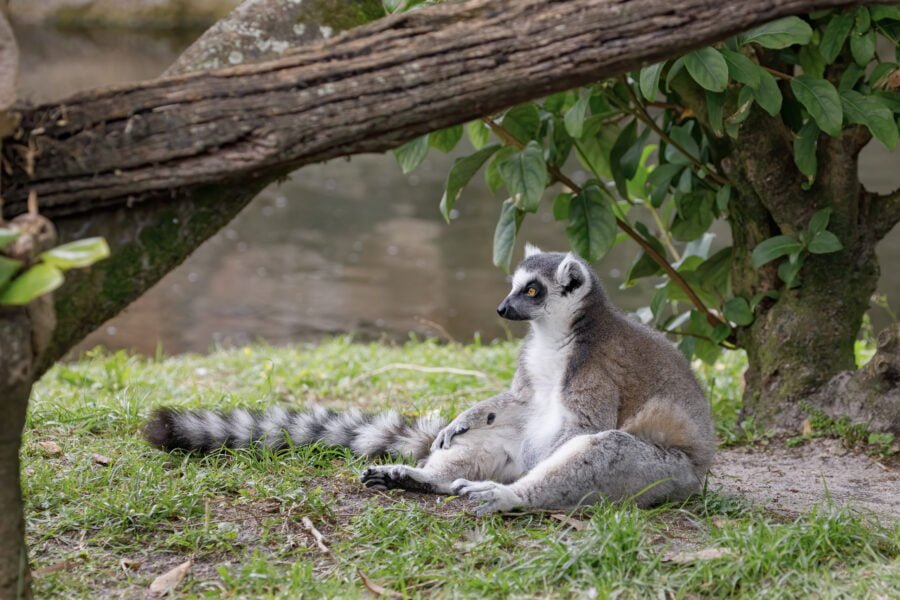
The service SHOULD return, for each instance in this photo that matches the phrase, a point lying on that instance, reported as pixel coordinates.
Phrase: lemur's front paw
(445, 435)
(495, 497)
(382, 477)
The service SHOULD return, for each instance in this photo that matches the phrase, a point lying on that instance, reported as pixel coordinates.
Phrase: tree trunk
(802, 343)
(15, 386)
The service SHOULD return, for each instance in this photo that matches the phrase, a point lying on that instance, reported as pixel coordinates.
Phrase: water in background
(344, 246)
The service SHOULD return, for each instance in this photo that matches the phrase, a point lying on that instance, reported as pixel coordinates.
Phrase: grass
(100, 530)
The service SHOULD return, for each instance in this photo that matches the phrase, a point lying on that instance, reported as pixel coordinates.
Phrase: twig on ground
(317, 535)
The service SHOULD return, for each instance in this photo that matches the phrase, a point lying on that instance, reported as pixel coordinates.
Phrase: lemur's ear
(531, 249)
(571, 273)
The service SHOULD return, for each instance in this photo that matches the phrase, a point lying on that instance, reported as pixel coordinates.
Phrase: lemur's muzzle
(508, 311)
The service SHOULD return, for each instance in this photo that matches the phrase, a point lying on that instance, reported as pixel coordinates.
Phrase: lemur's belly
(545, 429)
(549, 419)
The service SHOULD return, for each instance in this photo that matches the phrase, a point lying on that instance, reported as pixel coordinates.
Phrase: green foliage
(650, 160)
(47, 275)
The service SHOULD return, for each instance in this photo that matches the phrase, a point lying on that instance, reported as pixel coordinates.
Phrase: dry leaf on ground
(378, 590)
(50, 448)
(576, 524)
(169, 580)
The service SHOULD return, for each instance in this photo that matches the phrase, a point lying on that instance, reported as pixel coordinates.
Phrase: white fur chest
(545, 360)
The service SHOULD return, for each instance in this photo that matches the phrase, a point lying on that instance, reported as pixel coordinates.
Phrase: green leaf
(460, 173)
(560, 142)
(821, 100)
(8, 268)
(715, 104)
(741, 68)
(8, 236)
(861, 19)
(851, 76)
(723, 196)
(811, 61)
(715, 272)
(595, 146)
(674, 69)
(737, 310)
(824, 242)
(492, 174)
(77, 254)
(505, 234)
(637, 184)
(708, 68)
(805, 148)
(868, 111)
(644, 266)
(445, 140)
(779, 34)
(592, 228)
(411, 154)
(649, 80)
(744, 104)
(789, 269)
(479, 133)
(38, 280)
(626, 140)
(659, 180)
(835, 35)
(574, 119)
(525, 176)
(767, 95)
(774, 247)
(681, 134)
(523, 122)
(883, 12)
(695, 215)
(561, 206)
(818, 222)
(862, 47)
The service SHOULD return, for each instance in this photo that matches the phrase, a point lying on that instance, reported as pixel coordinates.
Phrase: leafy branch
(509, 139)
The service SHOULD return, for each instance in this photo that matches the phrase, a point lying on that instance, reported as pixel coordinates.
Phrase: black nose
(503, 309)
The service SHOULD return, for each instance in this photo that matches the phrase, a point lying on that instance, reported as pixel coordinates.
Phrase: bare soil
(793, 480)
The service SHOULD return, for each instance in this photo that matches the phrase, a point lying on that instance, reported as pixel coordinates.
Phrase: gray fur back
(366, 434)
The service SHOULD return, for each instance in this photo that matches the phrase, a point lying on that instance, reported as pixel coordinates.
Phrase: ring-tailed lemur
(610, 409)
(601, 406)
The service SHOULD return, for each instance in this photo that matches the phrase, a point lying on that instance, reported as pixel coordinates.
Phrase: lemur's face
(544, 284)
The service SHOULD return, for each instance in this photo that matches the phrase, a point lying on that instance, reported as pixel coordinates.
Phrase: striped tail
(366, 434)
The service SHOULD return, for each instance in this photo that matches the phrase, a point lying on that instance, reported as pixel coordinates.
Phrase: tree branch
(366, 91)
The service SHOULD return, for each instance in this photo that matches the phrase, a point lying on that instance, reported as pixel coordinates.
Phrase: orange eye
(531, 292)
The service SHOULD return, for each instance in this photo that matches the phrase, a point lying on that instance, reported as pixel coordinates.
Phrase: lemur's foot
(495, 497)
(390, 477)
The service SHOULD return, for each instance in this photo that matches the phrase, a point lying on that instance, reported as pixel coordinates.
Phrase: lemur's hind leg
(613, 465)
(389, 477)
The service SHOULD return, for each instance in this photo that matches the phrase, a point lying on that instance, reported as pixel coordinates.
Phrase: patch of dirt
(793, 480)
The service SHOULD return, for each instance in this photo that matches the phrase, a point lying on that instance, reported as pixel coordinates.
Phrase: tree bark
(24, 334)
(15, 387)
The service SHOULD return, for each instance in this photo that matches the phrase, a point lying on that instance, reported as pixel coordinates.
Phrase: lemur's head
(547, 284)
